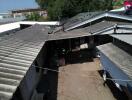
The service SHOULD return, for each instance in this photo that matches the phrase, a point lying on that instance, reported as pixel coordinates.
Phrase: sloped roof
(121, 58)
(79, 18)
(81, 32)
(17, 53)
(69, 34)
(98, 17)
(102, 27)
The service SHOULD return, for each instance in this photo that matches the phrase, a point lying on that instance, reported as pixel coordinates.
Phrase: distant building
(1, 17)
(4, 15)
(24, 12)
(11, 20)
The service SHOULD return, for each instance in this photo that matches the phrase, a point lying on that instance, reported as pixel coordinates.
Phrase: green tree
(42, 3)
(58, 9)
(33, 17)
(117, 2)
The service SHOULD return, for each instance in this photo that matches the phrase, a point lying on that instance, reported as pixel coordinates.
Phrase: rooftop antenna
(115, 28)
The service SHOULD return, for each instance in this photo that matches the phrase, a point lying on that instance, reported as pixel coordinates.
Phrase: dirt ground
(82, 82)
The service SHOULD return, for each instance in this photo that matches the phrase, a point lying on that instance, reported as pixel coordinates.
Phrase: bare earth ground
(82, 82)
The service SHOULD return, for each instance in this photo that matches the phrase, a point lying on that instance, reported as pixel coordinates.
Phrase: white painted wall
(16, 25)
(40, 23)
(9, 27)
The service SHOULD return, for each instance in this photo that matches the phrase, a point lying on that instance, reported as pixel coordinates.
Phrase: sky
(7, 5)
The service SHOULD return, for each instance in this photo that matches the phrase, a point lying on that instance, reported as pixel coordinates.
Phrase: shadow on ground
(115, 91)
(81, 56)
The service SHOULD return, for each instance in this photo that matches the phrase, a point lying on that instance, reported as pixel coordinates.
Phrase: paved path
(82, 82)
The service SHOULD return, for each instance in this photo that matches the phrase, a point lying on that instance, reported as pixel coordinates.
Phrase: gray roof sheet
(79, 18)
(121, 58)
(107, 27)
(17, 53)
(97, 17)
(99, 26)
(127, 38)
(103, 27)
(69, 34)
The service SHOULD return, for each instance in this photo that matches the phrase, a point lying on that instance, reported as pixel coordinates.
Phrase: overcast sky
(6, 5)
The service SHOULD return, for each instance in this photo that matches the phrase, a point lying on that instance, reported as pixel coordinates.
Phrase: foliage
(117, 2)
(42, 3)
(33, 16)
(58, 9)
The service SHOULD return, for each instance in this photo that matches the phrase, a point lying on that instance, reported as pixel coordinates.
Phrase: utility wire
(89, 76)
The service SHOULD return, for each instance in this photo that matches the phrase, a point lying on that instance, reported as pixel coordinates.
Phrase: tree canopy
(33, 17)
(58, 9)
(117, 2)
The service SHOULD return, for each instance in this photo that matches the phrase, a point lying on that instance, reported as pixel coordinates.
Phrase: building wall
(114, 71)
(124, 46)
(1, 17)
(41, 63)
(19, 14)
(28, 84)
(102, 39)
(42, 56)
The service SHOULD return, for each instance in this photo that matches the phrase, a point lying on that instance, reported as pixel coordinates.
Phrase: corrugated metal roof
(124, 37)
(100, 28)
(121, 58)
(79, 18)
(98, 17)
(82, 31)
(107, 27)
(17, 53)
(69, 34)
